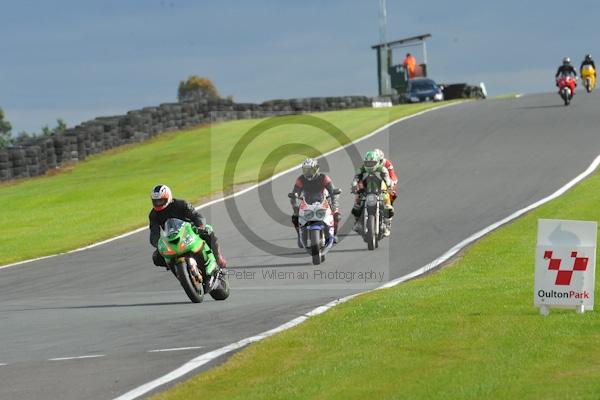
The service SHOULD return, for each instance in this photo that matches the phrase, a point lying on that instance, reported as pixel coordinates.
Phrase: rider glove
(204, 229)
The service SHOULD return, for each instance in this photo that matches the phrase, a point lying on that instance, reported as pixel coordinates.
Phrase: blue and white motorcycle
(316, 225)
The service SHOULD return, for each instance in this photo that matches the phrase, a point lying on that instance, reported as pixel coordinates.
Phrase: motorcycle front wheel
(315, 246)
(192, 287)
(565, 96)
(371, 235)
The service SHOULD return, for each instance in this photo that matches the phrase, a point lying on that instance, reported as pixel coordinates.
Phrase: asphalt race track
(460, 168)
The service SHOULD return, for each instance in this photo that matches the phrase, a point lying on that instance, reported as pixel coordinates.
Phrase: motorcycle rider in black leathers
(566, 68)
(165, 207)
(311, 181)
(587, 61)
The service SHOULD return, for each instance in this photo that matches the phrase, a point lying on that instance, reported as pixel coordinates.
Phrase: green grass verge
(108, 194)
(507, 96)
(467, 331)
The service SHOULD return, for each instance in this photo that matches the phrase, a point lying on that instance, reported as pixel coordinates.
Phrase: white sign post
(565, 264)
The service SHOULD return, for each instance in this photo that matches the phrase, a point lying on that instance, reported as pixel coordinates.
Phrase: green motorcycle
(192, 261)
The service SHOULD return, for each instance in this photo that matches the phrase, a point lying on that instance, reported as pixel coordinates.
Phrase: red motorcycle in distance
(566, 87)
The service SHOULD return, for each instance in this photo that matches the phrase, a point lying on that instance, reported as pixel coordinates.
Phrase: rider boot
(387, 227)
(297, 228)
(393, 197)
(208, 235)
(221, 262)
(388, 214)
(358, 228)
(337, 217)
(356, 212)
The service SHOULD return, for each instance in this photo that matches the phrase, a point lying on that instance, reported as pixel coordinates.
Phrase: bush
(196, 88)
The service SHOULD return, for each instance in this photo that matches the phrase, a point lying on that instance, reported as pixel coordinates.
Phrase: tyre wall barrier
(462, 91)
(38, 155)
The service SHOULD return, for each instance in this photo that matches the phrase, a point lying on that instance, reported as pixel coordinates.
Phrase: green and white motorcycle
(192, 261)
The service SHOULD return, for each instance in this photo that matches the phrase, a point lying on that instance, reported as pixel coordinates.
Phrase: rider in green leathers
(372, 163)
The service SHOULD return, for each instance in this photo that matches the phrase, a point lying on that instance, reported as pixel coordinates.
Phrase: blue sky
(80, 59)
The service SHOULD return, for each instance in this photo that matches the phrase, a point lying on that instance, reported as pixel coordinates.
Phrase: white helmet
(161, 197)
(310, 168)
(566, 61)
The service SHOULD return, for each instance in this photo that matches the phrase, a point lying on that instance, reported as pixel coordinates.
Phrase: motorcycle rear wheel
(222, 290)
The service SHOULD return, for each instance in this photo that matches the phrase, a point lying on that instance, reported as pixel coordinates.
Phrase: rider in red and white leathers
(311, 181)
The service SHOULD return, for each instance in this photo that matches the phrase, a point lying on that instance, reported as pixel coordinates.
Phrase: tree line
(6, 138)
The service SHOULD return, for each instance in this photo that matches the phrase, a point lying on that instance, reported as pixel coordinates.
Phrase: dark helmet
(588, 57)
(566, 61)
(161, 197)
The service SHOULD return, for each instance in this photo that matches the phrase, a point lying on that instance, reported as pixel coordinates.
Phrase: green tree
(61, 127)
(23, 137)
(5, 128)
(195, 88)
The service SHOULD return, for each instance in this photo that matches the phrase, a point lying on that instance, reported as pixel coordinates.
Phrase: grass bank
(467, 331)
(505, 96)
(108, 193)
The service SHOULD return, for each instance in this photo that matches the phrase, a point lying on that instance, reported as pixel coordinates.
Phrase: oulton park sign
(565, 264)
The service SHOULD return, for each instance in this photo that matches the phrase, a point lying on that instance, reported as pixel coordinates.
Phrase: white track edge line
(77, 357)
(175, 349)
(256, 185)
(210, 356)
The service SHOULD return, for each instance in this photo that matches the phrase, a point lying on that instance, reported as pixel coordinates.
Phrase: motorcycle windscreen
(312, 198)
(172, 227)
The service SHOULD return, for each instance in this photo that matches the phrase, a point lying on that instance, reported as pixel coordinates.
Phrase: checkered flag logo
(563, 276)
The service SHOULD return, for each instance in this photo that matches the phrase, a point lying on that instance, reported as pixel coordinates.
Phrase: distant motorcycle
(316, 225)
(566, 87)
(372, 197)
(192, 261)
(588, 76)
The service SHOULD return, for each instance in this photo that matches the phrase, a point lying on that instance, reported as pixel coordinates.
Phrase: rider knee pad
(388, 212)
(356, 212)
(158, 260)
